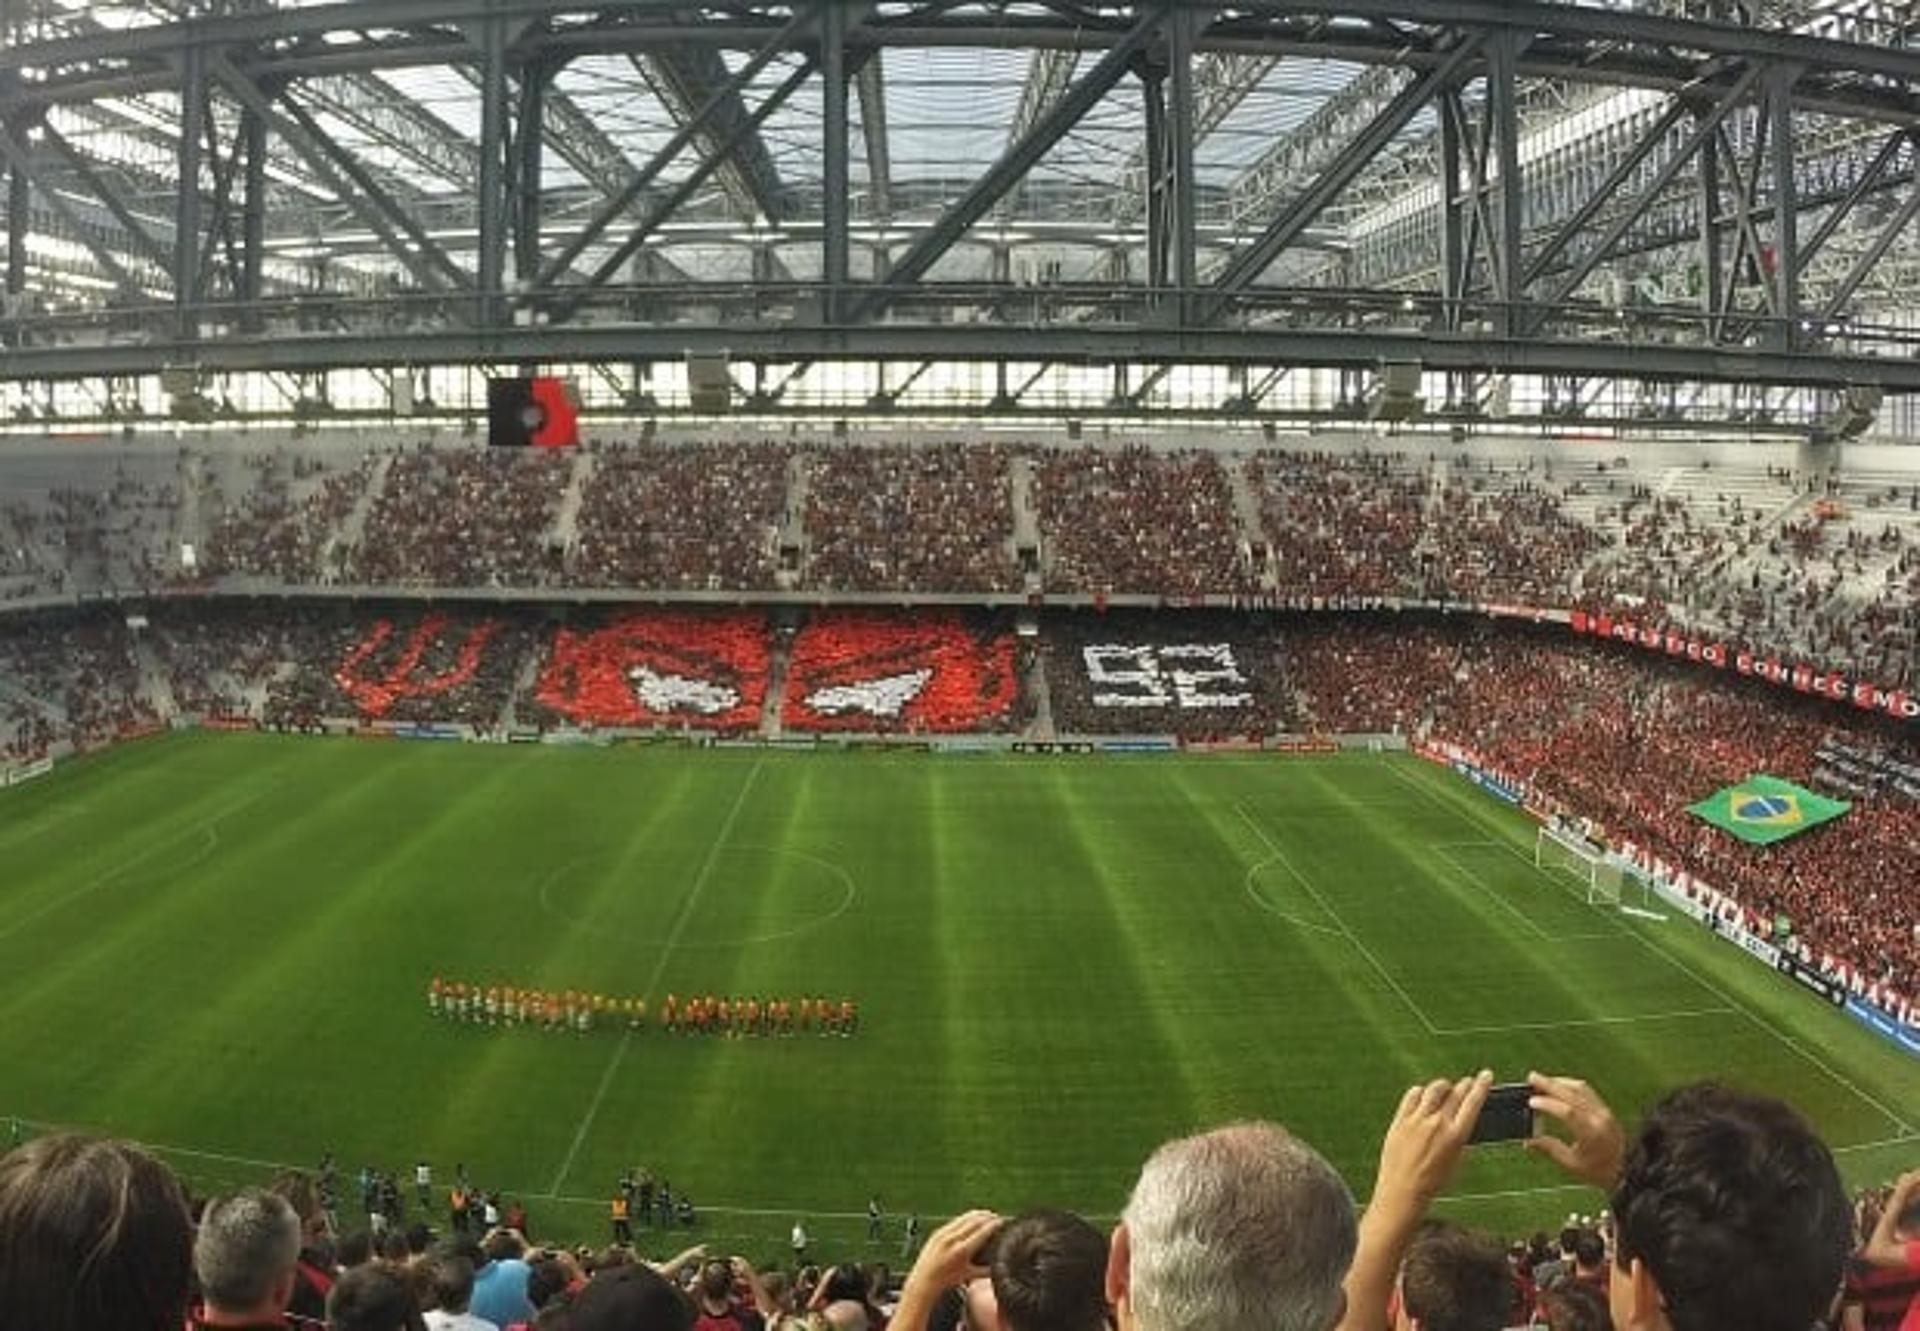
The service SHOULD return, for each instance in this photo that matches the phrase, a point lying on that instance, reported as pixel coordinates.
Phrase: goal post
(1600, 874)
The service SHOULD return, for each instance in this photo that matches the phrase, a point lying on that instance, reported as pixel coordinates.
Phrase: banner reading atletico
(1764, 809)
(1832, 684)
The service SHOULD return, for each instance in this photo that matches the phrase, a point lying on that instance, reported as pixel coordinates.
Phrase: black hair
(1049, 1273)
(1737, 1210)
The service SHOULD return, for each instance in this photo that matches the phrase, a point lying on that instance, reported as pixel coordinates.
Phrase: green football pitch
(220, 945)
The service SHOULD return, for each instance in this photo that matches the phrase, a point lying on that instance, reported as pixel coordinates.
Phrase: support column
(1786, 205)
(1502, 81)
(835, 264)
(19, 218)
(1153, 95)
(186, 217)
(1452, 216)
(1180, 135)
(493, 137)
(529, 171)
(1712, 255)
(253, 214)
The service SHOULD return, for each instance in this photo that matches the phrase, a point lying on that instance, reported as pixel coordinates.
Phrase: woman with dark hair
(94, 1236)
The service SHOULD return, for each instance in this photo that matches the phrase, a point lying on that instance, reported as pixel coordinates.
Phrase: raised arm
(945, 1262)
(1419, 1157)
(1884, 1247)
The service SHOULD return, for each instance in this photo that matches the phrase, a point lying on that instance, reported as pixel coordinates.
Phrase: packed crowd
(285, 523)
(1832, 575)
(1722, 1209)
(465, 517)
(1202, 675)
(68, 678)
(937, 518)
(694, 518)
(1342, 525)
(1627, 740)
(1137, 521)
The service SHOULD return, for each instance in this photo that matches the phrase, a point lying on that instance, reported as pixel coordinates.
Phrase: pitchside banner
(1825, 683)
(1764, 809)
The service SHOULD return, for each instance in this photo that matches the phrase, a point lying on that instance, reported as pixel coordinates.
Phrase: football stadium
(1032, 665)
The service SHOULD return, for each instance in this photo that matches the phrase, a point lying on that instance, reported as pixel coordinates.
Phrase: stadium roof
(1006, 146)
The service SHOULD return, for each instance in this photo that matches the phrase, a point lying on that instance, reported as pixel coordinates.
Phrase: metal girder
(379, 213)
(399, 124)
(577, 139)
(686, 78)
(685, 189)
(105, 191)
(366, 196)
(1073, 344)
(1248, 263)
(1221, 81)
(1577, 225)
(1870, 257)
(1306, 150)
(1705, 128)
(871, 82)
(289, 25)
(1018, 159)
(1049, 75)
(617, 206)
(836, 253)
(20, 166)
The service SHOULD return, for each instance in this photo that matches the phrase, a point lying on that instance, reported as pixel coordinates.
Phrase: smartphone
(1506, 1117)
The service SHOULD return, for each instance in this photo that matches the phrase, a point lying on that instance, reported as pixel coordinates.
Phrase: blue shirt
(500, 1292)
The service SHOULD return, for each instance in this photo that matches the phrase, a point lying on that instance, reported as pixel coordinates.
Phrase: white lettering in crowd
(1193, 675)
(875, 697)
(677, 693)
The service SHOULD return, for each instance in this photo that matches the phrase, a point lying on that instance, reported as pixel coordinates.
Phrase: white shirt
(799, 1237)
(441, 1320)
(423, 1176)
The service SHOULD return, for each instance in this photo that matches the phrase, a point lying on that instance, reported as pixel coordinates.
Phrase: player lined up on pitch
(581, 1011)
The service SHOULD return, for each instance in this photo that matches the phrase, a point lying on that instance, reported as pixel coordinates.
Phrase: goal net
(1600, 875)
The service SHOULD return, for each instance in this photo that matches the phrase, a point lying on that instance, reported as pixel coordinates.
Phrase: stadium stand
(1199, 674)
(936, 518)
(701, 517)
(1828, 573)
(1611, 735)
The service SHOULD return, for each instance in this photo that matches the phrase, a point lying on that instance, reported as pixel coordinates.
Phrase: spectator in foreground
(449, 1275)
(1453, 1280)
(94, 1236)
(1728, 1211)
(1245, 1228)
(1045, 1271)
(373, 1298)
(1419, 1157)
(1574, 1307)
(1048, 1273)
(633, 1297)
(1892, 1250)
(500, 1277)
(246, 1256)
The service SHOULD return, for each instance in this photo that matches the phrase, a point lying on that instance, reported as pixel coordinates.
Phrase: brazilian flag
(1764, 809)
